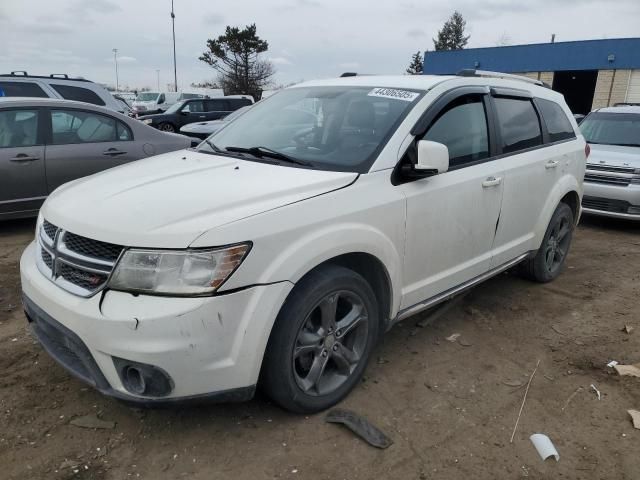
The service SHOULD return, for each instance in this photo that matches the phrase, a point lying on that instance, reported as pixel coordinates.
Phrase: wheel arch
(566, 190)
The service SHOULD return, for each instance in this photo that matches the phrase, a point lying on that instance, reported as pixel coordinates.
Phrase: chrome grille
(609, 174)
(607, 179)
(78, 264)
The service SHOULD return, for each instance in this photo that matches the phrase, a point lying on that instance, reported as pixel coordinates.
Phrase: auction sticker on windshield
(405, 95)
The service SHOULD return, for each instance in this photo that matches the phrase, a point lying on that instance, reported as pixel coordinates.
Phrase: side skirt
(452, 292)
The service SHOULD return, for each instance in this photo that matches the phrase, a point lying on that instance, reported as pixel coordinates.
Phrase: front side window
(78, 94)
(339, 128)
(519, 124)
(18, 128)
(462, 127)
(194, 106)
(76, 126)
(558, 125)
(612, 129)
(21, 89)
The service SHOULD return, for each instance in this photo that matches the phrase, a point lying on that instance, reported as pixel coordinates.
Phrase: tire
(167, 127)
(549, 260)
(305, 344)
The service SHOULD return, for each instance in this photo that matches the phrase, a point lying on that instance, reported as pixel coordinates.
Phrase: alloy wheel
(557, 244)
(330, 343)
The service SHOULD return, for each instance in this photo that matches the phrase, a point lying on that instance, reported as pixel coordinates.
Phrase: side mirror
(433, 158)
(184, 112)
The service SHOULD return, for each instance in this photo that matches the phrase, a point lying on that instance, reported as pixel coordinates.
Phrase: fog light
(142, 379)
(634, 210)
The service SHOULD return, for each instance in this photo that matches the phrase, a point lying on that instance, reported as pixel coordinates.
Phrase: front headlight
(148, 121)
(177, 272)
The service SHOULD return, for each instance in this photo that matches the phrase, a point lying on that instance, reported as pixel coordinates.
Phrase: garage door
(633, 93)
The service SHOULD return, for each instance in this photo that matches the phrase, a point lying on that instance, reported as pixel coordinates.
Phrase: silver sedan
(47, 142)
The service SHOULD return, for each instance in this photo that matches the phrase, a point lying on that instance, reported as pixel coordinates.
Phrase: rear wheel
(321, 341)
(550, 258)
(166, 127)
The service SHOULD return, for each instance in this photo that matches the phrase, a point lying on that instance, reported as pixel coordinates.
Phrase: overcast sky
(307, 38)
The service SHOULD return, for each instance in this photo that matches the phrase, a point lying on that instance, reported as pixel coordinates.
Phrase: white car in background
(612, 179)
(277, 253)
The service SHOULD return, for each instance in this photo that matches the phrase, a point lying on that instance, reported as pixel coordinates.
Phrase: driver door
(451, 217)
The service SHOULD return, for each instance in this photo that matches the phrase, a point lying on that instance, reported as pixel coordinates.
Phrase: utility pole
(158, 78)
(115, 59)
(173, 27)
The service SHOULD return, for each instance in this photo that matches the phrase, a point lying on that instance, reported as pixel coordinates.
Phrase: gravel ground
(449, 407)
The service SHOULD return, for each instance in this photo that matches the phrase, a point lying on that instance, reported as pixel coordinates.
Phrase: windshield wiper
(213, 146)
(267, 152)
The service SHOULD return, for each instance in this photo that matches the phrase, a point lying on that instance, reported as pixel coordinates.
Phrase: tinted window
(217, 105)
(78, 93)
(519, 124)
(195, 106)
(123, 132)
(558, 125)
(18, 128)
(462, 127)
(238, 102)
(21, 89)
(612, 128)
(75, 126)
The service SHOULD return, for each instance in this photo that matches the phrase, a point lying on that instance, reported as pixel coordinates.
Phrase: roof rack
(472, 72)
(61, 76)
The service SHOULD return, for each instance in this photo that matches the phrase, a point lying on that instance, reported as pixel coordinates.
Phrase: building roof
(619, 53)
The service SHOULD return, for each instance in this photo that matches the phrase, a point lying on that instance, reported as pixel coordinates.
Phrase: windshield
(331, 128)
(612, 128)
(175, 107)
(147, 97)
(235, 114)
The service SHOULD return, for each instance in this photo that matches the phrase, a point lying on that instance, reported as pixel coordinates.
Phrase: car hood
(169, 200)
(156, 117)
(614, 155)
(204, 127)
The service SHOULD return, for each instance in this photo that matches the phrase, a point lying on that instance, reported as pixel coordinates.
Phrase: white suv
(282, 248)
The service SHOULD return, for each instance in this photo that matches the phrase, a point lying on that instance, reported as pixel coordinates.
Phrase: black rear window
(78, 94)
(558, 125)
(236, 103)
(21, 89)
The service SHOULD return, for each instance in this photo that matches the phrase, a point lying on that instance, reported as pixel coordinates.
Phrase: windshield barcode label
(405, 95)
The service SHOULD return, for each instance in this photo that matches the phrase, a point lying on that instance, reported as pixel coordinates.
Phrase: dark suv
(195, 110)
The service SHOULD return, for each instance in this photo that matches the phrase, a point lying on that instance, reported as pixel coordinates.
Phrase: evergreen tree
(415, 67)
(452, 36)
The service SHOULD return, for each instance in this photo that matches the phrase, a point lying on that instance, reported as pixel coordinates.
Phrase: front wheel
(166, 127)
(321, 340)
(550, 257)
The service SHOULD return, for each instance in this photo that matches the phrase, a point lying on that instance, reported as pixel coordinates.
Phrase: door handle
(551, 164)
(112, 152)
(23, 158)
(491, 182)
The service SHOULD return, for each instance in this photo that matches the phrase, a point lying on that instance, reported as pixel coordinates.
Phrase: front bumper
(611, 200)
(210, 347)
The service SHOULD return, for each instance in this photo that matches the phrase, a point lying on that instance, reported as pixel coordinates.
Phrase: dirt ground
(449, 407)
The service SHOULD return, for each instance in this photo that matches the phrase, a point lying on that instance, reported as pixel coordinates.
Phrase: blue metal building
(590, 73)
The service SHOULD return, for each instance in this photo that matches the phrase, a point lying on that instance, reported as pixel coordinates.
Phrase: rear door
(532, 167)
(217, 108)
(83, 142)
(23, 185)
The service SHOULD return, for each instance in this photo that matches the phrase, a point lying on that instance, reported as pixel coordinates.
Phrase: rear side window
(239, 102)
(217, 105)
(21, 89)
(78, 94)
(76, 126)
(558, 125)
(462, 127)
(519, 124)
(18, 128)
